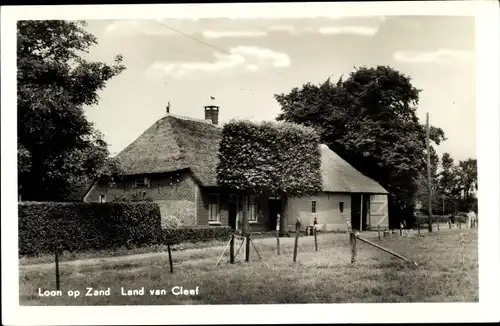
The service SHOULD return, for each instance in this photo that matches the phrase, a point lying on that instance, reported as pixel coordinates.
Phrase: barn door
(379, 211)
(356, 212)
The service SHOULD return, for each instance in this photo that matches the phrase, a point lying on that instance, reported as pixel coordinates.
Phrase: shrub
(195, 234)
(270, 157)
(86, 226)
(171, 222)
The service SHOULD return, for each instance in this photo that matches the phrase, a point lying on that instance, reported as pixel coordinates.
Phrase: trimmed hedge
(195, 234)
(271, 157)
(86, 226)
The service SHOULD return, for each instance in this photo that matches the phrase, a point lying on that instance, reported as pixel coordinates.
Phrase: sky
(244, 62)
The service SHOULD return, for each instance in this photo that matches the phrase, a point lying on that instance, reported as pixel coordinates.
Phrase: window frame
(253, 202)
(217, 208)
(145, 183)
(314, 206)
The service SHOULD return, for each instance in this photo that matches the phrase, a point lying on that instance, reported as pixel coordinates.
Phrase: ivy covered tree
(57, 145)
(276, 159)
(369, 119)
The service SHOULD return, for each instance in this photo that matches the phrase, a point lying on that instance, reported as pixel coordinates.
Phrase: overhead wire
(219, 49)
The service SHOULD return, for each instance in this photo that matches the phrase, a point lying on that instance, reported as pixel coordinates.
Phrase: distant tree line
(453, 187)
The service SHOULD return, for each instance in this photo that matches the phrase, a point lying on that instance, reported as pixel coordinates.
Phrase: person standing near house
(471, 218)
(451, 218)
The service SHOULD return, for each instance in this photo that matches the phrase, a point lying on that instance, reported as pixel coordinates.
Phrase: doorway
(274, 210)
(232, 208)
(359, 211)
(356, 211)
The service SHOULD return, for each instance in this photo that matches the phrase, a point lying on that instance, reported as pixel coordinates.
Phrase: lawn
(325, 276)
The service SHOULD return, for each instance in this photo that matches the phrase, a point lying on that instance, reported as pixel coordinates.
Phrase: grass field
(326, 276)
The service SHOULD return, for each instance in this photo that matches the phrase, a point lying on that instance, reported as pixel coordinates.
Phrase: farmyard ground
(325, 276)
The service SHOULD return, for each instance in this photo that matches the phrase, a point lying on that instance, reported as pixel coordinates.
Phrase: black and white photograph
(267, 156)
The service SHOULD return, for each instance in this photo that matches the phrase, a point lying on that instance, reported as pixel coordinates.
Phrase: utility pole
(429, 180)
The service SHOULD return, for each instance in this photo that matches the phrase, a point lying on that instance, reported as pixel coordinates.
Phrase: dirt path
(124, 258)
(148, 255)
(189, 252)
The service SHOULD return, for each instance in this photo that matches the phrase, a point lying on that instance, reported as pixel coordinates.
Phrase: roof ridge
(183, 117)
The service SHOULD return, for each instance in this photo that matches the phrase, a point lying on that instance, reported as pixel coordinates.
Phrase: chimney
(212, 113)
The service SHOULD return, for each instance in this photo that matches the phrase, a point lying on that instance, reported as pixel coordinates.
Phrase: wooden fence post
(400, 229)
(462, 261)
(170, 258)
(378, 231)
(231, 250)
(278, 233)
(315, 235)
(56, 259)
(418, 226)
(247, 247)
(352, 240)
(297, 235)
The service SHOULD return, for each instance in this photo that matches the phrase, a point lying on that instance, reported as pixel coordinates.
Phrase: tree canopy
(369, 119)
(57, 145)
(454, 187)
(269, 157)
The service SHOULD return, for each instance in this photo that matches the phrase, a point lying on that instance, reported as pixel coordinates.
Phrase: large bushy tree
(370, 120)
(57, 145)
(279, 159)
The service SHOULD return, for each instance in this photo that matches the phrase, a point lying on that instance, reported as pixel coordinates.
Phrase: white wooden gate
(379, 211)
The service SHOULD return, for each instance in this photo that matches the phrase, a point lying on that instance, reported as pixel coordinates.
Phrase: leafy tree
(57, 145)
(370, 120)
(466, 183)
(279, 159)
(422, 194)
(446, 182)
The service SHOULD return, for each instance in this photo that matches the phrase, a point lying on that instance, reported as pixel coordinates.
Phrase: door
(379, 213)
(366, 212)
(274, 210)
(356, 212)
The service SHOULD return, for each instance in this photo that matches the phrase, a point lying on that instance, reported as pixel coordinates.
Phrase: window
(213, 208)
(341, 206)
(141, 182)
(313, 206)
(252, 209)
(102, 198)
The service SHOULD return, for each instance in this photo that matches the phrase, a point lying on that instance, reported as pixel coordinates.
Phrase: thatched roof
(174, 143)
(340, 176)
(74, 192)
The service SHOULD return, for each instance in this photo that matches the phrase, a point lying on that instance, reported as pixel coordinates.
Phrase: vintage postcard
(250, 163)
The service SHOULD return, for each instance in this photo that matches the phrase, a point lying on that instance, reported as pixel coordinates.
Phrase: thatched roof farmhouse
(174, 163)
